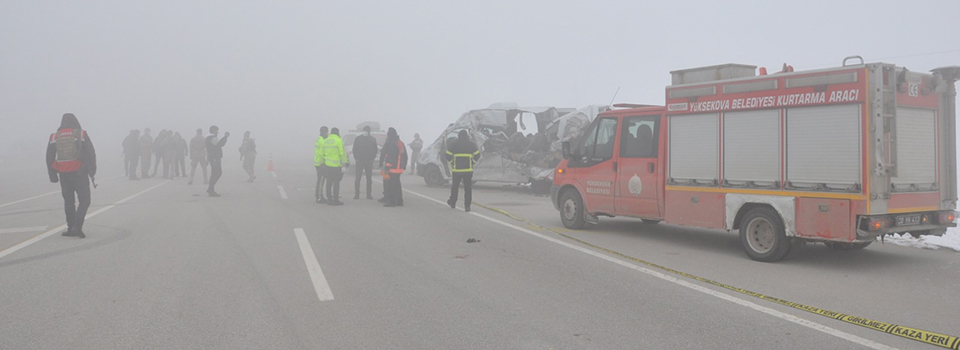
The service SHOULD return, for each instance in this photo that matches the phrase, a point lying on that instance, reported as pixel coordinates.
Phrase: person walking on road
(393, 159)
(248, 155)
(415, 146)
(198, 155)
(131, 154)
(72, 161)
(180, 156)
(146, 153)
(318, 164)
(364, 153)
(214, 156)
(462, 155)
(335, 159)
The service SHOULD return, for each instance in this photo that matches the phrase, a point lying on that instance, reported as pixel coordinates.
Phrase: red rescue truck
(838, 156)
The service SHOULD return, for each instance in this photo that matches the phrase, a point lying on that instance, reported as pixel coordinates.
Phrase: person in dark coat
(364, 152)
(131, 154)
(393, 160)
(72, 161)
(214, 156)
(462, 155)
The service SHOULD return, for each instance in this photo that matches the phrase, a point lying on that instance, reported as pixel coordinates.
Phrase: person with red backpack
(72, 161)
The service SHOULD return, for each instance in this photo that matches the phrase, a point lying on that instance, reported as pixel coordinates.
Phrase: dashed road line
(320, 284)
(283, 193)
(22, 229)
(57, 229)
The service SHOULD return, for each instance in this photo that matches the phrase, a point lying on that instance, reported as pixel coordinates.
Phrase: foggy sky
(283, 69)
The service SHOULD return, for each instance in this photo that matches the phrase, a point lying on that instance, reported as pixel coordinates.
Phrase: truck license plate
(908, 220)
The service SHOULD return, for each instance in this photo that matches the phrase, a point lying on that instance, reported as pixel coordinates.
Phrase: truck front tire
(763, 235)
(571, 210)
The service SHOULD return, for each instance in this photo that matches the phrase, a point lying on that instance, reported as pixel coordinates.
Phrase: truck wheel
(763, 235)
(846, 246)
(571, 210)
(432, 176)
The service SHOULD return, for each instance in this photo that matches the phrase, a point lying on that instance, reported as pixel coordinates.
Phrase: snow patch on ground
(949, 240)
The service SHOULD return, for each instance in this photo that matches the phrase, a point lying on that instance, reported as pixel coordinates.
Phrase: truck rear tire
(432, 176)
(571, 210)
(846, 246)
(763, 235)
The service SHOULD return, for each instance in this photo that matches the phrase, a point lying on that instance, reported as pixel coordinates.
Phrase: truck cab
(614, 169)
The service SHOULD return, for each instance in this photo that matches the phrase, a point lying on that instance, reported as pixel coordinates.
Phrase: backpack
(69, 144)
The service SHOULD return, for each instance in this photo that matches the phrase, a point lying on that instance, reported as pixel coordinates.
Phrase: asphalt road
(166, 267)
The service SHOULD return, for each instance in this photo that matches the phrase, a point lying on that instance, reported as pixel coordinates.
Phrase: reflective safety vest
(69, 143)
(394, 168)
(462, 162)
(334, 155)
(318, 152)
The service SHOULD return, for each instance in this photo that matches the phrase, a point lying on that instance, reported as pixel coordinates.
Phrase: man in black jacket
(462, 155)
(364, 152)
(214, 156)
(72, 161)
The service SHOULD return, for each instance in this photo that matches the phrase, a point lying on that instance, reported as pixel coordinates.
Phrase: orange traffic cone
(270, 163)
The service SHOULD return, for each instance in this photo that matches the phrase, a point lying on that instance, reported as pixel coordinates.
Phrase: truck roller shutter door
(823, 146)
(916, 149)
(751, 142)
(693, 147)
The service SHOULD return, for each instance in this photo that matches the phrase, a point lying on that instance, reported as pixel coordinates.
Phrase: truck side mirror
(565, 149)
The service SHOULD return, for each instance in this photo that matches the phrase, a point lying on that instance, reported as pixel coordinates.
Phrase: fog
(283, 70)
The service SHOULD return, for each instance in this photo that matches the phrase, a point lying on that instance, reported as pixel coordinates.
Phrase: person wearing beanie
(393, 159)
(72, 161)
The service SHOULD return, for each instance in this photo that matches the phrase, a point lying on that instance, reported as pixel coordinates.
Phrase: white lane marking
(274, 173)
(22, 229)
(31, 198)
(46, 194)
(781, 315)
(313, 267)
(283, 194)
(41, 236)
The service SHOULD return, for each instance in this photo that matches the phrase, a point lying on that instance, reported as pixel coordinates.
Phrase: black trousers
(467, 179)
(333, 177)
(392, 189)
(364, 167)
(321, 175)
(215, 171)
(75, 187)
(145, 164)
(131, 165)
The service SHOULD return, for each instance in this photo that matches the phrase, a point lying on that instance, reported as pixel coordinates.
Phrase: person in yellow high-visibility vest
(462, 155)
(335, 159)
(318, 163)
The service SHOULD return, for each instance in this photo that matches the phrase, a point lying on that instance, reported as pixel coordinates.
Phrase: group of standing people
(170, 149)
(330, 161)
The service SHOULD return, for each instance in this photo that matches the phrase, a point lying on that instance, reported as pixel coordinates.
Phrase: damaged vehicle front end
(507, 155)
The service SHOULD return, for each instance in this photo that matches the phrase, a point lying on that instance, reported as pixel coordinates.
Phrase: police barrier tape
(928, 337)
